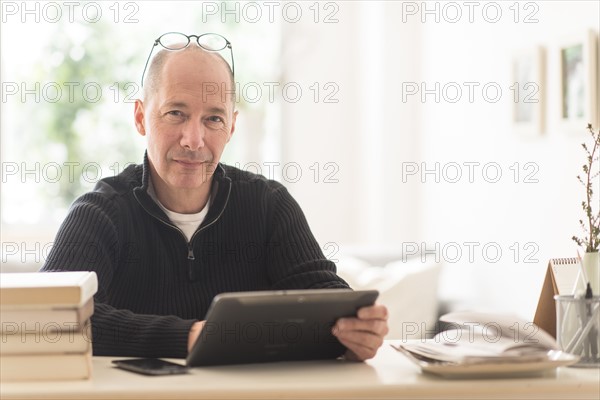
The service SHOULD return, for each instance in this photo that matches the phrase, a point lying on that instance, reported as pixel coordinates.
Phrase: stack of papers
(476, 340)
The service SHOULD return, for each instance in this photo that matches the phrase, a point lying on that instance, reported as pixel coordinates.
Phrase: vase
(591, 265)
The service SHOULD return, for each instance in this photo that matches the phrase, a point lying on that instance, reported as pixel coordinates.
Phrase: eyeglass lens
(178, 41)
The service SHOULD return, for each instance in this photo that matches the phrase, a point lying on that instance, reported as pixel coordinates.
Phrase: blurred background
(401, 128)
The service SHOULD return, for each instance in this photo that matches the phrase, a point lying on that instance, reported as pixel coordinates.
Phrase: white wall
(545, 213)
(371, 132)
(367, 133)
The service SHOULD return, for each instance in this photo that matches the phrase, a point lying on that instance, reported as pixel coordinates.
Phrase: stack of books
(45, 325)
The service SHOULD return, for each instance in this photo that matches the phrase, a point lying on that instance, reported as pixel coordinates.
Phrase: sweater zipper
(190, 248)
(191, 259)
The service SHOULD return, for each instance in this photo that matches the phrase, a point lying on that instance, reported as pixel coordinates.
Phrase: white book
(44, 318)
(47, 367)
(27, 289)
(41, 342)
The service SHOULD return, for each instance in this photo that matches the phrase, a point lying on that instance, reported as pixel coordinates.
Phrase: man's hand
(364, 334)
(194, 333)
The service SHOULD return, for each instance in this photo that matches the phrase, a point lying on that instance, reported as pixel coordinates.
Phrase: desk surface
(388, 375)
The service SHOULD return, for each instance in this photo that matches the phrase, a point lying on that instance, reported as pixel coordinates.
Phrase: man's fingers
(360, 349)
(363, 335)
(359, 338)
(377, 311)
(376, 326)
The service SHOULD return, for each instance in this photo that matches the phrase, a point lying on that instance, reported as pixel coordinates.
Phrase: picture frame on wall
(578, 66)
(528, 90)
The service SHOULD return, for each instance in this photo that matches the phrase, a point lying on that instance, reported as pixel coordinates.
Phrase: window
(70, 74)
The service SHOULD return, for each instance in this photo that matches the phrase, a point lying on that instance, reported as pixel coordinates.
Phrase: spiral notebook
(561, 276)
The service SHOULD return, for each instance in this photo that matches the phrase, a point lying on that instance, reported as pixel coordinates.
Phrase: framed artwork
(528, 89)
(578, 81)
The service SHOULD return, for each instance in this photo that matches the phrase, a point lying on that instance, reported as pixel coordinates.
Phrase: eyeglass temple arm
(232, 62)
(148, 60)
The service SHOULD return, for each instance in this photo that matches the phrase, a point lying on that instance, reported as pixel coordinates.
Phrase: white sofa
(408, 287)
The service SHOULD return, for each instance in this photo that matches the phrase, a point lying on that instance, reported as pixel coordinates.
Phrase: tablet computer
(266, 326)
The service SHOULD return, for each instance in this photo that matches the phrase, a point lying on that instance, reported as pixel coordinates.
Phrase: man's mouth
(189, 163)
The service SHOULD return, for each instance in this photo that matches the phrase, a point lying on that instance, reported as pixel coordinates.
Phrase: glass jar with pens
(578, 326)
(578, 321)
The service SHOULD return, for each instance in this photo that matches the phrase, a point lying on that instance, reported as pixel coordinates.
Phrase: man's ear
(233, 119)
(138, 115)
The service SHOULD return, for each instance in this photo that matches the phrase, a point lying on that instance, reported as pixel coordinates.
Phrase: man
(166, 236)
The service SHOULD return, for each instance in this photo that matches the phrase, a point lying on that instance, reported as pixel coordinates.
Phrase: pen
(593, 334)
(581, 273)
(585, 317)
(592, 346)
(576, 345)
(579, 309)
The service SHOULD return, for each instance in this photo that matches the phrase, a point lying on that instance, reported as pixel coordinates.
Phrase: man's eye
(174, 116)
(215, 118)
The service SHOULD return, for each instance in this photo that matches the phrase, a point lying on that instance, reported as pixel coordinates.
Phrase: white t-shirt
(188, 223)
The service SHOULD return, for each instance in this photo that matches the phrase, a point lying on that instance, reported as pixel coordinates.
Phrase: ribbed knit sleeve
(91, 239)
(295, 259)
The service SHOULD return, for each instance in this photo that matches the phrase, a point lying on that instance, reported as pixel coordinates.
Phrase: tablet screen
(251, 327)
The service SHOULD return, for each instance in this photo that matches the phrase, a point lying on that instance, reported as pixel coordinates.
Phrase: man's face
(188, 120)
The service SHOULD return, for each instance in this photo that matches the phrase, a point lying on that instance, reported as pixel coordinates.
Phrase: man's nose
(192, 136)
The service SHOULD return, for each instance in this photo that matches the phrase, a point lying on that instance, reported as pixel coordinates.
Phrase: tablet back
(251, 327)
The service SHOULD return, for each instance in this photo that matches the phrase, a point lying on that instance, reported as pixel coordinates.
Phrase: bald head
(197, 57)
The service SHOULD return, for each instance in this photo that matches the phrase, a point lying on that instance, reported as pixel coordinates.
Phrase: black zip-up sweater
(153, 284)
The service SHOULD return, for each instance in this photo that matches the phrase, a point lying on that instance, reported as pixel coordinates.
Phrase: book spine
(70, 289)
(14, 320)
(73, 341)
(48, 367)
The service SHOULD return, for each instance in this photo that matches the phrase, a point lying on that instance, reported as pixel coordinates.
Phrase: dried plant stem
(591, 243)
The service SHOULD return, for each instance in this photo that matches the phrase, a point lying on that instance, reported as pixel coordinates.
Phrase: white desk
(389, 375)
